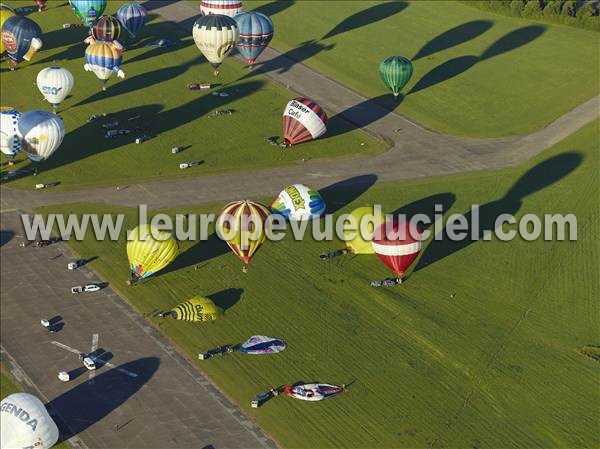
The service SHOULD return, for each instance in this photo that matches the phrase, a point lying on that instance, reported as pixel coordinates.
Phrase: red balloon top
(397, 244)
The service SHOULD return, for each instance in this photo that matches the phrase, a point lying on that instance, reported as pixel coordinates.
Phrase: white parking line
(92, 373)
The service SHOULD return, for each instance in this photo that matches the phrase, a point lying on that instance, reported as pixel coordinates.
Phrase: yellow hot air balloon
(5, 13)
(242, 224)
(148, 254)
(367, 219)
(197, 309)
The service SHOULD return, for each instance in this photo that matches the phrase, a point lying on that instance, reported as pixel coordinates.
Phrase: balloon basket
(245, 269)
(331, 254)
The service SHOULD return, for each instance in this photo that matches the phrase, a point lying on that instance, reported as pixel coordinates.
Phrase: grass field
(155, 89)
(480, 348)
(7, 386)
(475, 73)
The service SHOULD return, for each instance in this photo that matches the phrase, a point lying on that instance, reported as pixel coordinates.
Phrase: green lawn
(480, 348)
(155, 89)
(475, 73)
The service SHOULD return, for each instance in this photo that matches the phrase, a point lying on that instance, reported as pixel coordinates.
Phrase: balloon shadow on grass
(366, 17)
(459, 65)
(427, 207)
(285, 61)
(270, 9)
(198, 254)
(535, 179)
(225, 299)
(342, 193)
(88, 403)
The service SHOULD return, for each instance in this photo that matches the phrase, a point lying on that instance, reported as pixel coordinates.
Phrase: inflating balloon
(215, 36)
(242, 224)
(10, 142)
(395, 72)
(25, 423)
(22, 38)
(132, 16)
(55, 84)
(298, 202)
(260, 344)
(5, 13)
(148, 255)
(197, 310)
(358, 240)
(313, 392)
(256, 32)
(303, 120)
(88, 11)
(106, 29)
(41, 134)
(226, 7)
(104, 59)
(397, 244)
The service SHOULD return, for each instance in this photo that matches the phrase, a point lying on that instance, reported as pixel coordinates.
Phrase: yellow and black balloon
(197, 310)
(148, 254)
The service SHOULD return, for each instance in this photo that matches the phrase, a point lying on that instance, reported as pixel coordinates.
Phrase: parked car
(87, 361)
(75, 264)
(77, 289)
(91, 288)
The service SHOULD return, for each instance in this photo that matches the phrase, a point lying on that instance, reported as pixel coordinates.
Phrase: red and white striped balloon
(303, 120)
(226, 7)
(397, 244)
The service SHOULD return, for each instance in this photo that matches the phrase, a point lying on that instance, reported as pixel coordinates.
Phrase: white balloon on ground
(25, 423)
(41, 132)
(10, 142)
(55, 84)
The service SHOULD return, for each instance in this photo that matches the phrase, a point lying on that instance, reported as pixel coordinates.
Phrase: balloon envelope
(10, 142)
(106, 29)
(397, 244)
(226, 7)
(148, 255)
(256, 32)
(215, 36)
(298, 202)
(5, 13)
(55, 84)
(358, 239)
(104, 58)
(88, 11)
(260, 344)
(303, 120)
(395, 72)
(133, 16)
(41, 133)
(198, 309)
(21, 37)
(25, 423)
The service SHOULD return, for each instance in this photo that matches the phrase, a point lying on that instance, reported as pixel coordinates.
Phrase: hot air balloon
(197, 309)
(22, 38)
(40, 4)
(215, 36)
(10, 142)
(298, 202)
(397, 244)
(26, 423)
(256, 31)
(133, 16)
(244, 223)
(359, 239)
(106, 29)
(5, 13)
(260, 344)
(104, 58)
(88, 11)
(41, 133)
(146, 254)
(226, 7)
(55, 84)
(395, 72)
(303, 120)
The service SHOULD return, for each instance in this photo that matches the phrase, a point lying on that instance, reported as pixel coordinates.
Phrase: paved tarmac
(143, 395)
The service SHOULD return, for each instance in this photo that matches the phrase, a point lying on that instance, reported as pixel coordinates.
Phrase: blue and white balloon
(256, 32)
(41, 133)
(10, 142)
(55, 84)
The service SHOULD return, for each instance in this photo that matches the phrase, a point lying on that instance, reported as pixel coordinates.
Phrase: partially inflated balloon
(10, 142)
(88, 11)
(303, 120)
(395, 72)
(21, 37)
(148, 255)
(5, 13)
(55, 84)
(358, 238)
(298, 202)
(215, 36)
(133, 16)
(41, 133)
(104, 58)
(242, 224)
(256, 31)
(106, 29)
(198, 310)
(226, 7)
(25, 423)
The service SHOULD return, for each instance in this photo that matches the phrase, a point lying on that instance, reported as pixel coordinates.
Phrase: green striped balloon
(395, 72)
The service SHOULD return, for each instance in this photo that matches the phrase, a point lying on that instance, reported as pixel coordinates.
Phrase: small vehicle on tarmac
(86, 288)
(75, 264)
(87, 361)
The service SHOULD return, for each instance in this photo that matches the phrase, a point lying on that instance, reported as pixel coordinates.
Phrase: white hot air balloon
(10, 142)
(41, 132)
(55, 84)
(25, 423)
(225, 7)
(215, 36)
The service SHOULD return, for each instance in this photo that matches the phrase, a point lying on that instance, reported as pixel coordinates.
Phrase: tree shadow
(225, 299)
(270, 9)
(535, 179)
(6, 236)
(285, 61)
(453, 37)
(459, 65)
(342, 193)
(366, 17)
(426, 206)
(88, 403)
